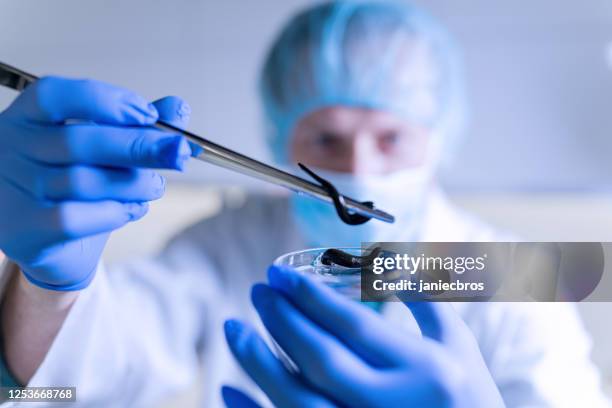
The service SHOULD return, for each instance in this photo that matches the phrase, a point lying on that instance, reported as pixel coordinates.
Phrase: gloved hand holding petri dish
(337, 352)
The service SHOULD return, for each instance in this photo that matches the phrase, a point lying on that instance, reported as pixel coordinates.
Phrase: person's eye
(327, 140)
(389, 140)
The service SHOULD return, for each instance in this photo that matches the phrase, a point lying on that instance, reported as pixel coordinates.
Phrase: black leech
(338, 257)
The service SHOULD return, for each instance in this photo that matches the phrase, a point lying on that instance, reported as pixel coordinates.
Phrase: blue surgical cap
(379, 55)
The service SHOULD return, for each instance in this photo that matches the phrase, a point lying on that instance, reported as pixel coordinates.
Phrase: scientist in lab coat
(367, 94)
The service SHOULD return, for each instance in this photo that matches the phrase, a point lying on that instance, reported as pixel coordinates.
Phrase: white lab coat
(142, 331)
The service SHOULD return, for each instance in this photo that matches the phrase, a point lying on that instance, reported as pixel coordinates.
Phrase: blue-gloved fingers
(36, 224)
(177, 112)
(357, 326)
(235, 398)
(55, 99)
(76, 219)
(173, 110)
(93, 184)
(82, 183)
(255, 357)
(437, 320)
(61, 205)
(105, 146)
(322, 359)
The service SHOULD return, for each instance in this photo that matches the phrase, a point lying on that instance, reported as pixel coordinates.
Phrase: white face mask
(402, 194)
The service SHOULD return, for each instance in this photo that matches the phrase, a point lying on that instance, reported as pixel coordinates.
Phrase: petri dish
(344, 279)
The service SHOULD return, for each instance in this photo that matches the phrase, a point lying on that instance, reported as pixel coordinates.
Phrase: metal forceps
(351, 211)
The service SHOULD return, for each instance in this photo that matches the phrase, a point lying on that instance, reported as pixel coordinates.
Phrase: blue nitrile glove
(75, 159)
(348, 355)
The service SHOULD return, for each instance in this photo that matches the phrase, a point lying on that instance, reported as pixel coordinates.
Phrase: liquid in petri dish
(344, 280)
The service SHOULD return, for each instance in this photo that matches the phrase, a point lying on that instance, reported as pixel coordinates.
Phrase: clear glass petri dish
(344, 280)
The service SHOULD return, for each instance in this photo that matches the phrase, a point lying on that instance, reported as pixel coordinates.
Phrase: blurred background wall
(536, 158)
